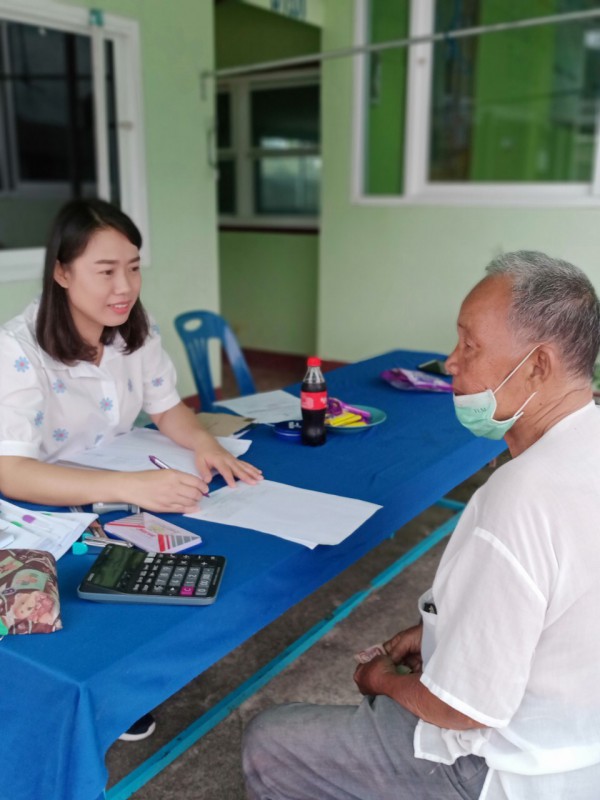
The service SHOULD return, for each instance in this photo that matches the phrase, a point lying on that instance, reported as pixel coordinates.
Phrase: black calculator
(125, 575)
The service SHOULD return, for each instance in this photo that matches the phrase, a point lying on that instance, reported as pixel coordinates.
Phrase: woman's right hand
(166, 491)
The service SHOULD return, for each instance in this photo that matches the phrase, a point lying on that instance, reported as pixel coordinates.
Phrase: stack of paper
(129, 452)
(299, 515)
(265, 407)
(52, 531)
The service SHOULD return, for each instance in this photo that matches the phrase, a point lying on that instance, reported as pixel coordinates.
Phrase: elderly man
(503, 698)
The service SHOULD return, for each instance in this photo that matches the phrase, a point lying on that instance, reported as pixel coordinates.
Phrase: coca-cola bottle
(313, 401)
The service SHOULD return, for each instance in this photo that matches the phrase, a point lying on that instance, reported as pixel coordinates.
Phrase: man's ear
(61, 275)
(543, 364)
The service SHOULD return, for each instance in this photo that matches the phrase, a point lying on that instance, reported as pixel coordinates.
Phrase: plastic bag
(415, 380)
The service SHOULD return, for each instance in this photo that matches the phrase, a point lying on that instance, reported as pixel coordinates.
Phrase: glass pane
(47, 140)
(112, 123)
(53, 113)
(285, 118)
(223, 119)
(226, 187)
(287, 185)
(518, 105)
(385, 100)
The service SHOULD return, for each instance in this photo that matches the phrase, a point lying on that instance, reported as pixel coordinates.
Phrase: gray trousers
(314, 752)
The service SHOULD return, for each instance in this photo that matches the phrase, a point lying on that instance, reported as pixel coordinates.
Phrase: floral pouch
(29, 601)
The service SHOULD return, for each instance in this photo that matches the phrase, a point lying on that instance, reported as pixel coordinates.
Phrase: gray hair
(553, 301)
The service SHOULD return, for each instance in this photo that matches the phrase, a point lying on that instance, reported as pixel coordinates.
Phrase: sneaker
(144, 727)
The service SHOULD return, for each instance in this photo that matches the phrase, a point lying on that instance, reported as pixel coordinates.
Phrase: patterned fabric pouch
(29, 601)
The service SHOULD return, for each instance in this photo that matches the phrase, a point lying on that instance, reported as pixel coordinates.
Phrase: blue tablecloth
(66, 697)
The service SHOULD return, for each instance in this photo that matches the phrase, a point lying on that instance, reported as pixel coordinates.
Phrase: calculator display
(107, 572)
(125, 575)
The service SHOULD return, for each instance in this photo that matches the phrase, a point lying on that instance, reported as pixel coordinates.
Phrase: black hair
(71, 231)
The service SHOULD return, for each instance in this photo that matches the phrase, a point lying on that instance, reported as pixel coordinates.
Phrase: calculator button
(172, 590)
(201, 591)
(186, 591)
(158, 589)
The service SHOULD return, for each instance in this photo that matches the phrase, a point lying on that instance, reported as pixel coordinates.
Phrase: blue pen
(161, 465)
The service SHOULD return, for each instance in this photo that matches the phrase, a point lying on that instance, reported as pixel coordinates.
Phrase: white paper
(299, 515)
(129, 452)
(53, 531)
(265, 407)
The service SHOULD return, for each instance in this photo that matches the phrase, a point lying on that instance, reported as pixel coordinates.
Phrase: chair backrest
(196, 328)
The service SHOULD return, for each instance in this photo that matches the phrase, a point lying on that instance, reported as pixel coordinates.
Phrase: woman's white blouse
(50, 410)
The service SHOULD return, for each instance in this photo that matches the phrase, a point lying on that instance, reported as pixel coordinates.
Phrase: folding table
(66, 697)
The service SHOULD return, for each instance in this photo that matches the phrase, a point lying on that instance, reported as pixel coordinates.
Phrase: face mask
(476, 411)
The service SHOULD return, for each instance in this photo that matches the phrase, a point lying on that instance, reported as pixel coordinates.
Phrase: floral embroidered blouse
(50, 410)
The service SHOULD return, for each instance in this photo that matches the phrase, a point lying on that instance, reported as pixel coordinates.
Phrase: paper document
(129, 452)
(299, 515)
(223, 424)
(53, 531)
(265, 407)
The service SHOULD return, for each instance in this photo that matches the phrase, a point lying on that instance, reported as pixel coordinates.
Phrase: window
(269, 150)
(70, 122)
(509, 116)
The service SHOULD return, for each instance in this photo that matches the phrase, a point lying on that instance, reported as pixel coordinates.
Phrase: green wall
(176, 45)
(268, 280)
(279, 290)
(405, 269)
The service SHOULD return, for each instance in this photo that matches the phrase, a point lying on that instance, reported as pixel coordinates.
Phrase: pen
(161, 465)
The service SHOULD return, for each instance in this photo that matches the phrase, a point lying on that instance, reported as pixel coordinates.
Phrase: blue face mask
(476, 411)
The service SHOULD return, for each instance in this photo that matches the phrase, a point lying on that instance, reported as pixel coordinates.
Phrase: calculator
(125, 575)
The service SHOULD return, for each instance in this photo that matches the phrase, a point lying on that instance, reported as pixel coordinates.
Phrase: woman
(79, 366)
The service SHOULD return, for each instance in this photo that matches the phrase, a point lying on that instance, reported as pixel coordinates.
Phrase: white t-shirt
(49, 410)
(515, 642)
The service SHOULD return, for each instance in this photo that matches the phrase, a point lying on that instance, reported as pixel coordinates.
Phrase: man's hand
(372, 676)
(405, 648)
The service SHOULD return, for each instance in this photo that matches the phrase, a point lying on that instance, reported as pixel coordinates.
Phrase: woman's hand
(168, 491)
(182, 427)
(216, 457)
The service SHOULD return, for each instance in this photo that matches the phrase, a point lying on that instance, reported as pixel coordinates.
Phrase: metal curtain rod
(552, 19)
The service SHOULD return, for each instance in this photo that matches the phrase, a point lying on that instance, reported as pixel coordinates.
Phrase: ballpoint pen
(161, 465)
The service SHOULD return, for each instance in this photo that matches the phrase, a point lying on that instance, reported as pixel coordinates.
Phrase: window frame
(244, 154)
(418, 189)
(27, 263)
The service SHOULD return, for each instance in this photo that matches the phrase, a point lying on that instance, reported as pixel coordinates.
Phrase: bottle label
(313, 401)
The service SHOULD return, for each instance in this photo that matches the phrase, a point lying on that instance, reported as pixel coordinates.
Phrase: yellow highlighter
(346, 420)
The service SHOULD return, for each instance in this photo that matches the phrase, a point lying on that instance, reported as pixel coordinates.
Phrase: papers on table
(129, 452)
(265, 407)
(52, 531)
(223, 424)
(299, 515)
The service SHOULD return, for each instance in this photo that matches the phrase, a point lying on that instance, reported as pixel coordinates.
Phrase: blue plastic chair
(196, 328)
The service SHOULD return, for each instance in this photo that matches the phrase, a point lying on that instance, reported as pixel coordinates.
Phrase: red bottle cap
(314, 361)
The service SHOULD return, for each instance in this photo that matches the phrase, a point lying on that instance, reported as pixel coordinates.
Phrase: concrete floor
(211, 769)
